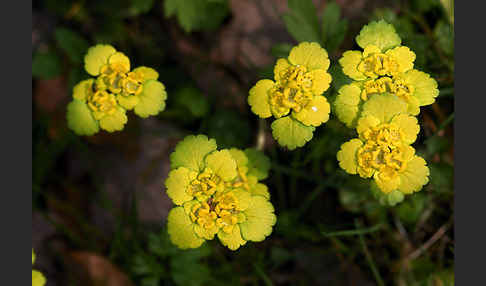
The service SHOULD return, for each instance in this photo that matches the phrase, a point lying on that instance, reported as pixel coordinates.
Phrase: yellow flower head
(295, 97)
(383, 149)
(383, 67)
(102, 102)
(38, 278)
(217, 193)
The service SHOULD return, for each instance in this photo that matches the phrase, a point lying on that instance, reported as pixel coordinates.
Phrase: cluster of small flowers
(102, 102)
(295, 97)
(381, 102)
(217, 193)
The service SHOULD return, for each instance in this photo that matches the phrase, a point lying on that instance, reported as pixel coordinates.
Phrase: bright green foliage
(197, 14)
(295, 97)
(217, 195)
(103, 102)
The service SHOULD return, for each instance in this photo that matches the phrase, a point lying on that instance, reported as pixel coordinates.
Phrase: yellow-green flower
(383, 150)
(383, 67)
(102, 102)
(137, 89)
(37, 278)
(217, 193)
(295, 97)
(92, 109)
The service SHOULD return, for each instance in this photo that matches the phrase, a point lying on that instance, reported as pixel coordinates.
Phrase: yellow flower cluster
(381, 102)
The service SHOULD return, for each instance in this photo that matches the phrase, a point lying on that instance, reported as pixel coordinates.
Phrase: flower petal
(258, 163)
(96, 57)
(177, 183)
(83, 89)
(347, 156)
(38, 278)
(115, 121)
(181, 229)
(425, 87)
(365, 123)
(222, 164)
(384, 107)
(152, 99)
(258, 98)
(409, 125)
(415, 176)
(260, 190)
(380, 34)
(243, 197)
(232, 240)
(315, 112)
(310, 55)
(121, 61)
(206, 233)
(386, 184)
(127, 102)
(280, 66)
(80, 119)
(260, 219)
(191, 151)
(147, 73)
(349, 62)
(291, 133)
(346, 105)
(239, 156)
(320, 81)
(404, 57)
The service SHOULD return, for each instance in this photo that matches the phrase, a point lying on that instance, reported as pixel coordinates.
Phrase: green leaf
(445, 37)
(193, 100)
(333, 29)
(410, 210)
(229, 129)
(281, 50)
(46, 65)
(441, 177)
(436, 145)
(187, 270)
(197, 14)
(302, 22)
(291, 133)
(141, 6)
(330, 18)
(73, 44)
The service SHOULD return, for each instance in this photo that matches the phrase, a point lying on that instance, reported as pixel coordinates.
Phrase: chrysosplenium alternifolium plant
(381, 103)
(383, 67)
(295, 97)
(217, 193)
(38, 278)
(102, 102)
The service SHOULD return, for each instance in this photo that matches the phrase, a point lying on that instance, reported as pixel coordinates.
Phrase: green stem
(369, 258)
(360, 231)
